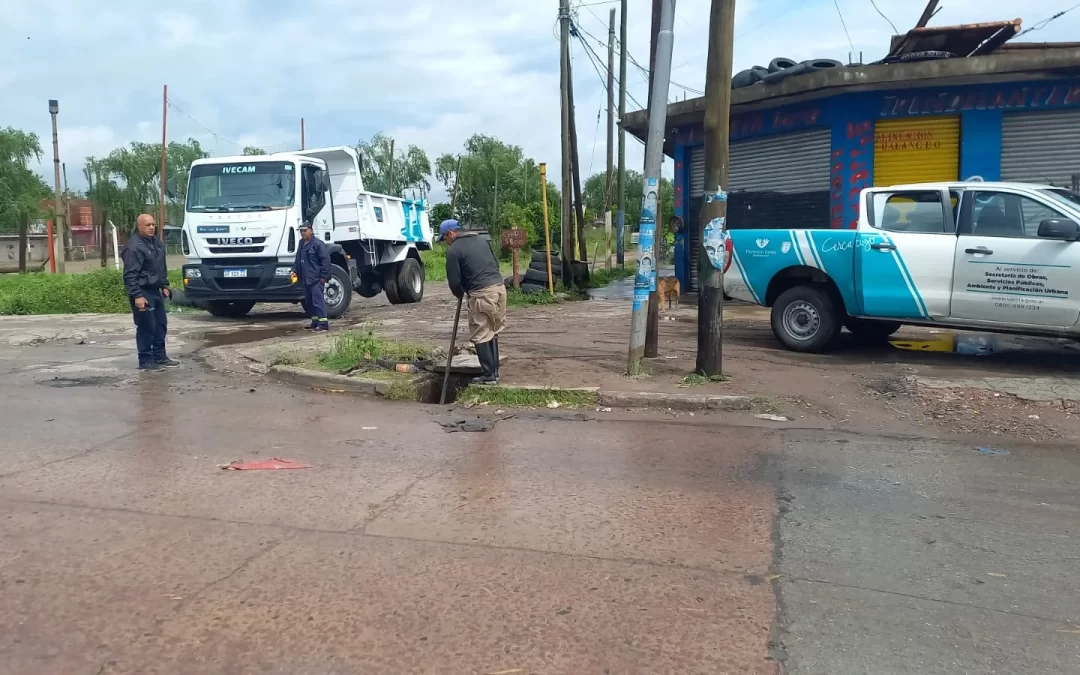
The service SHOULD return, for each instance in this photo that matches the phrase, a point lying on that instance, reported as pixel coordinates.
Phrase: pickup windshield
(1063, 195)
(256, 186)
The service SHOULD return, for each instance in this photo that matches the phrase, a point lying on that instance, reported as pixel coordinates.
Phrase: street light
(58, 242)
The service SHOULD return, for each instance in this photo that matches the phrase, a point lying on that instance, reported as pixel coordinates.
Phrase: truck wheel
(369, 286)
(409, 278)
(804, 319)
(337, 292)
(230, 309)
(869, 331)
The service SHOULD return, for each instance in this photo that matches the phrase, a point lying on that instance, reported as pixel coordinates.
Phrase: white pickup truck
(998, 257)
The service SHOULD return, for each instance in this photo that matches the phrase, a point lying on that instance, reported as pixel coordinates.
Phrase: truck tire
(556, 268)
(408, 282)
(369, 286)
(537, 277)
(805, 319)
(337, 292)
(230, 309)
(870, 331)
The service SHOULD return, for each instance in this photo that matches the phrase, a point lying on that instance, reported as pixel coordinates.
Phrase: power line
(203, 126)
(601, 69)
(895, 31)
(1042, 24)
(844, 24)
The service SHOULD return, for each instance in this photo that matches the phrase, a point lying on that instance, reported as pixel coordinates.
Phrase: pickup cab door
(904, 254)
(1006, 273)
(317, 203)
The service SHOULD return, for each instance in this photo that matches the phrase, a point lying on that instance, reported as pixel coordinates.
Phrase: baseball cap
(446, 226)
(305, 225)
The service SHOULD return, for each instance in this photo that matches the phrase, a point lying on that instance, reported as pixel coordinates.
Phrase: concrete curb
(645, 399)
(314, 378)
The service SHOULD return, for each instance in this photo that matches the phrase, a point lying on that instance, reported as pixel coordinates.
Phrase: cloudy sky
(427, 72)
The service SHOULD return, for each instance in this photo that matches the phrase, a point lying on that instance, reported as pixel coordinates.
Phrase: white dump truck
(242, 227)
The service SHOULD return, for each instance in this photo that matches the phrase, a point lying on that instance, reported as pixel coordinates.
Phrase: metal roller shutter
(1041, 147)
(920, 150)
(776, 182)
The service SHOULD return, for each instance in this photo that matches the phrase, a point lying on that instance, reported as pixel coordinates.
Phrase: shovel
(450, 354)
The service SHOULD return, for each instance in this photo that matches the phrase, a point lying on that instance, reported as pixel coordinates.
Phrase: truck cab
(242, 230)
(998, 257)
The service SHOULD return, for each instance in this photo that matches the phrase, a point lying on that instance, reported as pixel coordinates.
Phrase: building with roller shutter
(803, 148)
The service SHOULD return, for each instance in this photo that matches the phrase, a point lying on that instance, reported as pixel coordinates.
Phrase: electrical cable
(895, 31)
(844, 24)
(1042, 24)
(204, 127)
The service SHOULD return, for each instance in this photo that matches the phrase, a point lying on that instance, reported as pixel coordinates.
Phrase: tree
(127, 181)
(438, 213)
(593, 193)
(21, 190)
(253, 150)
(387, 169)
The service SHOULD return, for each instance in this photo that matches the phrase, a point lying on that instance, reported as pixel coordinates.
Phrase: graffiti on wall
(852, 162)
(1033, 97)
(773, 122)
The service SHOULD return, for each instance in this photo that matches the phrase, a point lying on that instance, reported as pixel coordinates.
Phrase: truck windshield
(255, 186)
(1061, 194)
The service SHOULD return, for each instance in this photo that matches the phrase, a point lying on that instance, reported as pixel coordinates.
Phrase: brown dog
(668, 288)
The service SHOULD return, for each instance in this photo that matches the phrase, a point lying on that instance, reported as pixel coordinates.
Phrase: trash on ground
(272, 463)
(369, 428)
(992, 451)
(553, 404)
(466, 424)
(773, 418)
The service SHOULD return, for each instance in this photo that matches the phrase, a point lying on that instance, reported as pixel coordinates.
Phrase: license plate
(235, 274)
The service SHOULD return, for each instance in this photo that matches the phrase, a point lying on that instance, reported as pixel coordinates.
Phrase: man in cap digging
(473, 271)
(312, 266)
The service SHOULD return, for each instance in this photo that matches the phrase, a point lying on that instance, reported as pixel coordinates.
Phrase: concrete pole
(609, 183)
(567, 194)
(652, 329)
(620, 218)
(58, 240)
(645, 279)
(164, 150)
(714, 211)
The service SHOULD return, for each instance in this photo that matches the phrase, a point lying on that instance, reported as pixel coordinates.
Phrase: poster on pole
(645, 279)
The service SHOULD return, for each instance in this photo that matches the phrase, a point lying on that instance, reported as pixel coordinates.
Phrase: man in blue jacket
(312, 266)
(146, 279)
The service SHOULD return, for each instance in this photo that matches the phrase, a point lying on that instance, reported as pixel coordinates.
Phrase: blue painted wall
(851, 118)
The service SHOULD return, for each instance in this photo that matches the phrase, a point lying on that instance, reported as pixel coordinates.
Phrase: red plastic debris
(272, 463)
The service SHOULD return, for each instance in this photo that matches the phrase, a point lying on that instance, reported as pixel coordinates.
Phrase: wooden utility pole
(567, 194)
(620, 189)
(609, 184)
(575, 166)
(56, 248)
(164, 148)
(714, 211)
(652, 328)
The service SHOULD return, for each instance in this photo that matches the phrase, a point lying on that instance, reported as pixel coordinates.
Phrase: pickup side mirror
(170, 188)
(1059, 228)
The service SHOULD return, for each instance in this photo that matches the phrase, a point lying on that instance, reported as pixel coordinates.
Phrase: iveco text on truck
(242, 221)
(998, 257)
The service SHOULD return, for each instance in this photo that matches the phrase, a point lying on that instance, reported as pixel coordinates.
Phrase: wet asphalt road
(546, 545)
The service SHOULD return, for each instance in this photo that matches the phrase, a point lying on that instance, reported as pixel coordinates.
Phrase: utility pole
(164, 147)
(301, 133)
(714, 211)
(575, 165)
(24, 219)
(67, 207)
(567, 206)
(390, 171)
(58, 241)
(620, 218)
(457, 184)
(652, 328)
(609, 184)
(645, 279)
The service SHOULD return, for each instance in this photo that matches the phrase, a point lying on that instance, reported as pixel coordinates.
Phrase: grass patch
(352, 347)
(516, 397)
(288, 359)
(517, 298)
(697, 379)
(402, 386)
(766, 405)
(601, 277)
(97, 292)
(435, 263)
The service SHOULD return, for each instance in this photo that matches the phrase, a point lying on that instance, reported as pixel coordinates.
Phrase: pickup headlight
(282, 271)
(192, 273)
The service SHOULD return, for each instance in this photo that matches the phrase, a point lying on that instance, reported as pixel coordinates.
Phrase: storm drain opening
(429, 385)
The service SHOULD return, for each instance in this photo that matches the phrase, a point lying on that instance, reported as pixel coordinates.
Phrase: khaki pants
(487, 313)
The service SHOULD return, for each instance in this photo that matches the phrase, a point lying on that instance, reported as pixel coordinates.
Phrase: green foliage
(697, 379)
(516, 298)
(127, 181)
(594, 190)
(98, 292)
(353, 347)
(434, 263)
(517, 397)
(21, 190)
(438, 213)
(253, 150)
(393, 171)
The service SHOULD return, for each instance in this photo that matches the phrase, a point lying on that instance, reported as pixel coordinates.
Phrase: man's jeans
(150, 327)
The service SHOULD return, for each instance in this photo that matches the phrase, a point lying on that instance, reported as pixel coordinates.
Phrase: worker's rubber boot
(495, 357)
(485, 351)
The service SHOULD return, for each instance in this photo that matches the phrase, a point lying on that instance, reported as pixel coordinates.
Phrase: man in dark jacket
(473, 271)
(146, 278)
(312, 266)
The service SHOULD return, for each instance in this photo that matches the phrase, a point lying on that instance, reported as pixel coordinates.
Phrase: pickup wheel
(805, 319)
(337, 292)
(870, 331)
(230, 309)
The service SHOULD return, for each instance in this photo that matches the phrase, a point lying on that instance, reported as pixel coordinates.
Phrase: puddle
(87, 381)
(953, 343)
(246, 335)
